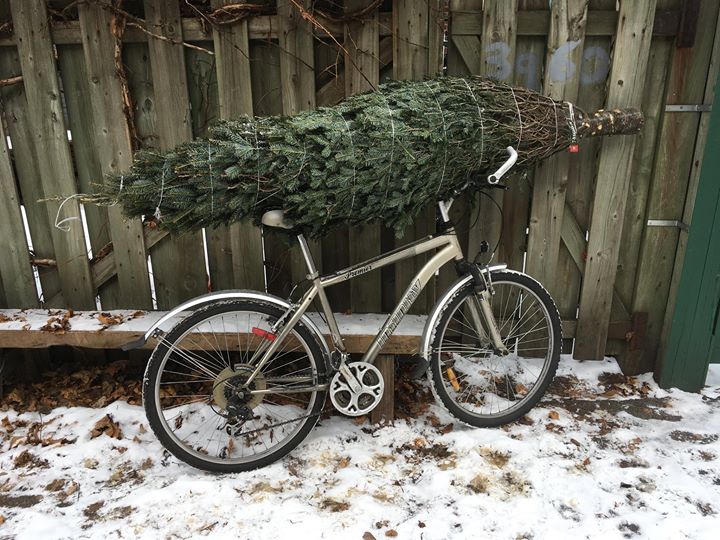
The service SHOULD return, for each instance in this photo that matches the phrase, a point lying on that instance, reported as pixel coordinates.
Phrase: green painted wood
(564, 46)
(114, 154)
(18, 281)
(15, 108)
(362, 73)
(241, 243)
(178, 261)
(37, 57)
(687, 79)
(691, 341)
(626, 83)
(297, 88)
(700, 146)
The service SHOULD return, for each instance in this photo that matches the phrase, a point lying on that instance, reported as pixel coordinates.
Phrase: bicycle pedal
(371, 386)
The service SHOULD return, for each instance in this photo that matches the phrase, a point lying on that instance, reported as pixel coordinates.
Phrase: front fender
(427, 335)
(205, 299)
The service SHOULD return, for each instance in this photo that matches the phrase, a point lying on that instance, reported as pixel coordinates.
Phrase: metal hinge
(668, 223)
(688, 108)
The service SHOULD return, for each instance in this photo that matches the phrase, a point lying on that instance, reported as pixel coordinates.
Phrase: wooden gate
(102, 79)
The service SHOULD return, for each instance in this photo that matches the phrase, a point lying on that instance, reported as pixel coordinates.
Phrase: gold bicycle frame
(448, 248)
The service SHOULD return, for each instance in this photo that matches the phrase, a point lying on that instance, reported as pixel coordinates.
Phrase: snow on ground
(603, 456)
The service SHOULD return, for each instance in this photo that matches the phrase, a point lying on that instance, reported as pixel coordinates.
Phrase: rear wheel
(479, 385)
(198, 400)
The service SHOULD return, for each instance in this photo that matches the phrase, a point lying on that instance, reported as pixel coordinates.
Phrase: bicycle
(241, 381)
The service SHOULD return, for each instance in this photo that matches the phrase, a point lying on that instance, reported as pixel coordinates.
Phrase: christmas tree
(379, 156)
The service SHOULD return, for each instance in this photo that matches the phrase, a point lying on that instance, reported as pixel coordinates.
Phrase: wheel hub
(231, 384)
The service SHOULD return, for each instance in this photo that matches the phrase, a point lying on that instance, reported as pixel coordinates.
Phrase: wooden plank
(37, 57)
(562, 81)
(362, 73)
(711, 88)
(411, 57)
(114, 153)
(635, 211)
(498, 43)
(232, 55)
(385, 410)
(673, 166)
(178, 269)
(26, 169)
(18, 281)
(535, 22)
(92, 335)
(627, 79)
(297, 88)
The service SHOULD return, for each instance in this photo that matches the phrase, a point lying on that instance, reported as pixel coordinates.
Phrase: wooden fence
(99, 82)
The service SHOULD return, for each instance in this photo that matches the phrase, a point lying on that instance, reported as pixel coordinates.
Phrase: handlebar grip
(505, 167)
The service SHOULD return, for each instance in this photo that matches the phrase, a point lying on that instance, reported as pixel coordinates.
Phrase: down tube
(411, 293)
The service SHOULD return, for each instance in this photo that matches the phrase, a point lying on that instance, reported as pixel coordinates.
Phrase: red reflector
(574, 148)
(263, 333)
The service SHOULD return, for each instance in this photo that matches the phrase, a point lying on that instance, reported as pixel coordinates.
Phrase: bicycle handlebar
(505, 167)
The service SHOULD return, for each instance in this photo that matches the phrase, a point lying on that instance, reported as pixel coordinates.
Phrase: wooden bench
(42, 328)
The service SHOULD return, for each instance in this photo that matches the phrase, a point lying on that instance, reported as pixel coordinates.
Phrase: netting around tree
(378, 156)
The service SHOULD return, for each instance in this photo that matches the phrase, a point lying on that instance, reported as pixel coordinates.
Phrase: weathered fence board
(178, 268)
(562, 81)
(627, 79)
(362, 73)
(37, 57)
(238, 246)
(18, 281)
(114, 153)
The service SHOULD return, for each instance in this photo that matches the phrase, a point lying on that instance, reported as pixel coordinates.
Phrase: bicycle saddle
(276, 218)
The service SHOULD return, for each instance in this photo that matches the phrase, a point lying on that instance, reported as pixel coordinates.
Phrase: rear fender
(202, 301)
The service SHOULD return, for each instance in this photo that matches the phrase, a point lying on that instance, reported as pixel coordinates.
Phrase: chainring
(352, 403)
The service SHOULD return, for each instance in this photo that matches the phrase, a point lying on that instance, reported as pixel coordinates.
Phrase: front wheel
(477, 383)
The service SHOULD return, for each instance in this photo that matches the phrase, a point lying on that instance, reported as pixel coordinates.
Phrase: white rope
(61, 224)
(158, 213)
(392, 146)
(571, 121)
(442, 176)
(352, 145)
(482, 127)
(556, 122)
(122, 183)
(212, 186)
(517, 106)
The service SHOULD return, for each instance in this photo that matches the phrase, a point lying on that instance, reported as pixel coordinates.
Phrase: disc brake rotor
(229, 381)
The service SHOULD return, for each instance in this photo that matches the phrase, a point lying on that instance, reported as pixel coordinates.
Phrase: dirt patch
(697, 438)
(19, 501)
(643, 408)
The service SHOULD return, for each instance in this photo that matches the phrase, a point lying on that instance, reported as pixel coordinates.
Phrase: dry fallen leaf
(108, 426)
(554, 415)
(392, 533)
(108, 319)
(2, 519)
(367, 535)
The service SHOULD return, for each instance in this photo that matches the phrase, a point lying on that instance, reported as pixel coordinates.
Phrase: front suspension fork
(481, 310)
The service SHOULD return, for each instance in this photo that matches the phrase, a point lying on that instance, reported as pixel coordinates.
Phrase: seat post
(307, 256)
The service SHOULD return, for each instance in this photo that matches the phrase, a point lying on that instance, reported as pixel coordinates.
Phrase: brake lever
(505, 167)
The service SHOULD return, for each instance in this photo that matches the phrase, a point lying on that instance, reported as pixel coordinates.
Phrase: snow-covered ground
(602, 457)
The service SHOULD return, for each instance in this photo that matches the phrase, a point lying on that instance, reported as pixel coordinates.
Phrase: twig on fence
(142, 24)
(230, 14)
(11, 80)
(117, 28)
(48, 263)
(305, 14)
(350, 16)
